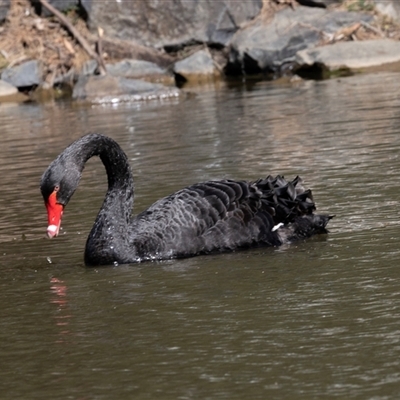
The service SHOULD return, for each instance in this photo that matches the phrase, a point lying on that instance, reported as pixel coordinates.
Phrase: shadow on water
(317, 319)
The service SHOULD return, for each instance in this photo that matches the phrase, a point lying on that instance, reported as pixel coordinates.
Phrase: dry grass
(26, 36)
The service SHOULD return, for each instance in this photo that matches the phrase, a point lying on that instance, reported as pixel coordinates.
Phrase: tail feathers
(285, 200)
(303, 227)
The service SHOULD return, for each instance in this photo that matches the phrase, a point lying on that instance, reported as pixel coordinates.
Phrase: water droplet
(115, 263)
(49, 260)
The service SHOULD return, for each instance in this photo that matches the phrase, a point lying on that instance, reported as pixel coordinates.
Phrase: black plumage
(199, 219)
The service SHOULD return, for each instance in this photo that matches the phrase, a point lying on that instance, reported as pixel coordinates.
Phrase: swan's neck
(108, 238)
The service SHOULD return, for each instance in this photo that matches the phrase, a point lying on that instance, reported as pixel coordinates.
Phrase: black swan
(203, 218)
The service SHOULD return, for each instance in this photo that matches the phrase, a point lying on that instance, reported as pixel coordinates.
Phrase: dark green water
(318, 319)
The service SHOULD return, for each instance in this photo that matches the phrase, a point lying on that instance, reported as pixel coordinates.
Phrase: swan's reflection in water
(63, 315)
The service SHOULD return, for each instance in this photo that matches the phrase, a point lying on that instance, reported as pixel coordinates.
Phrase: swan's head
(57, 185)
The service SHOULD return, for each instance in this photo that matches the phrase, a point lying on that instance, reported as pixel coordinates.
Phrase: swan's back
(225, 215)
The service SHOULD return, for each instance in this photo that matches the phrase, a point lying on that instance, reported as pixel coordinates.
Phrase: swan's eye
(56, 188)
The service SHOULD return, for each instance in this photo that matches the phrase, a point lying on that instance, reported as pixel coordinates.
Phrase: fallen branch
(366, 25)
(81, 40)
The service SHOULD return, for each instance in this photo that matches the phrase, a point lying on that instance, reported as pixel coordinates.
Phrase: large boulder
(198, 67)
(350, 55)
(171, 23)
(128, 49)
(135, 69)
(139, 69)
(266, 44)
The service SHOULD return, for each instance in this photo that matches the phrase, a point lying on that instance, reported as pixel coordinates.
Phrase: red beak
(54, 214)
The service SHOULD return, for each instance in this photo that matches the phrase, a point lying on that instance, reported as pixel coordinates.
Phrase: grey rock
(199, 63)
(174, 22)
(24, 75)
(267, 45)
(110, 89)
(351, 55)
(135, 69)
(117, 49)
(4, 7)
(391, 8)
(6, 89)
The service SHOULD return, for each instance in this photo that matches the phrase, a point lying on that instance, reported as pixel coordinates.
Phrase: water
(317, 319)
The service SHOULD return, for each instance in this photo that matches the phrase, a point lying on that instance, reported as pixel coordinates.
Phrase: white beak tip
(52, 231)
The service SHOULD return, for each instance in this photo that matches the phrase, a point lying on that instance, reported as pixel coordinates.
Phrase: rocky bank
(103, 51)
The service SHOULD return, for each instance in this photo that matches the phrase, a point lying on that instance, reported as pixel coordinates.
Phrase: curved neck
(115, 161)
(112, 220)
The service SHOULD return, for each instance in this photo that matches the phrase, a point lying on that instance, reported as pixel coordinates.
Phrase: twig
(82, 41)
(372, 28)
